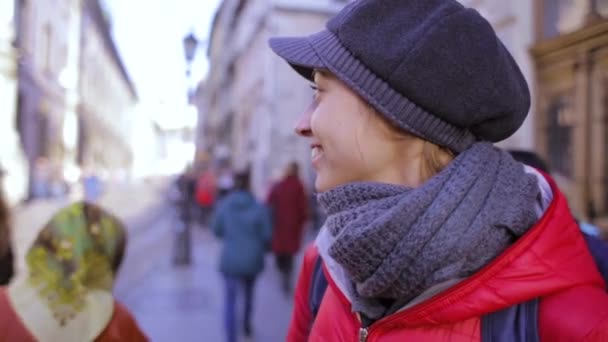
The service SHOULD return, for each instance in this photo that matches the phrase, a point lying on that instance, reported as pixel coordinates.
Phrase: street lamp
(190, 45)
(183, 249)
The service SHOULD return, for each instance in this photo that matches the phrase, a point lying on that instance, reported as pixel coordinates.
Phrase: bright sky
(149, 36)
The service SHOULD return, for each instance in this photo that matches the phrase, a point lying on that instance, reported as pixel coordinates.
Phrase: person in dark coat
(186, 184)
(289, 206)
(6, 251)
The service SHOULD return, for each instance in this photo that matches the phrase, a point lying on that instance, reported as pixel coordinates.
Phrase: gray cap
(433, 68)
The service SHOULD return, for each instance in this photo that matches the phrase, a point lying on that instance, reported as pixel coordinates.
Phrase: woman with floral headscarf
(65, 292)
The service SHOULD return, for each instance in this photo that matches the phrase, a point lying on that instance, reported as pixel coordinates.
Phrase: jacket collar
(551, 257)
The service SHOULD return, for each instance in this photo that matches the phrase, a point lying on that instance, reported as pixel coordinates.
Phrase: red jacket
(122, 326)
(290, 210)
(551, 261)
(206, 188)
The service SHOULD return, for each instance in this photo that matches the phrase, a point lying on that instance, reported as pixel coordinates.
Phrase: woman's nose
(303, 125)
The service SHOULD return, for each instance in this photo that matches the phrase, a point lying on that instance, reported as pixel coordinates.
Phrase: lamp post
(183, 250)
(190, 46)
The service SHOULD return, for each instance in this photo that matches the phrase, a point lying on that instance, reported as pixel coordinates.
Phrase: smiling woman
(409, 97)
(381, 149)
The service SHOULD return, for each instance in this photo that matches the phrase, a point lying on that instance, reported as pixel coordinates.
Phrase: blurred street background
(135, 104)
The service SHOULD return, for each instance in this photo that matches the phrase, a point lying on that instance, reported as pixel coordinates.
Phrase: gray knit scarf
(395, 242)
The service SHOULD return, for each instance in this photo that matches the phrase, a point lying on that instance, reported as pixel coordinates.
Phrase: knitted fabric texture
(394, 242)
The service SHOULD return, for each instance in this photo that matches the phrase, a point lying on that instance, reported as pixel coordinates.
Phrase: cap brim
(299, 53)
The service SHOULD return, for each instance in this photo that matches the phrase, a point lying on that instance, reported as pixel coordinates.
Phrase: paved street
(174, 303)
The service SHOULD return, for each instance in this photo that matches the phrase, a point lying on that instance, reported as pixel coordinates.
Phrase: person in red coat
(430, 228)
(289, 206)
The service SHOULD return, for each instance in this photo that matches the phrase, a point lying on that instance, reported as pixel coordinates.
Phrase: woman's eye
(315, 90)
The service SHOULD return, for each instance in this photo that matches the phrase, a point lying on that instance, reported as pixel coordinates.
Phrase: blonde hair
(434, 159)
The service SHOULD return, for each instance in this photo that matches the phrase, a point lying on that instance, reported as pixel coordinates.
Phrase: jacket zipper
(363, 333)
(364, 329)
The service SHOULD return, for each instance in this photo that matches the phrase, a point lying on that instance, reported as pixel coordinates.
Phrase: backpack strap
(318, 286)
(518, 323)
(599, 251)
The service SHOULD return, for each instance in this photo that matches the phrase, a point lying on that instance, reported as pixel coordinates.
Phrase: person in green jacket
(244, 225)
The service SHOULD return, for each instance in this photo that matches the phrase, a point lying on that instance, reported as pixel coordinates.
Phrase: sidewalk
(186, 303)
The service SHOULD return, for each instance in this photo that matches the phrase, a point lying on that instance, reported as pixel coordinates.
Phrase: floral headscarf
(77, 251)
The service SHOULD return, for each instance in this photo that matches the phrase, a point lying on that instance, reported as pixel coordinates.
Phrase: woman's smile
(316, 152)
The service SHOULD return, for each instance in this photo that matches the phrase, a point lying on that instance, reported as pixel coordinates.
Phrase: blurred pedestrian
(244, 226)
(39, 186)
(432, 233)
(225, 182)
(92, 185)
(185, 185)
(65, 292)
(289, 206)
(6, 250)
(205, 194)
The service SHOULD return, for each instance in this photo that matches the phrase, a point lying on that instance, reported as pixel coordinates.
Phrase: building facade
(42, 40)
(560, 46)
(107, 98)
(12, 161)
(571, 123)
(74, 97)
(249, 103)
(251, 100)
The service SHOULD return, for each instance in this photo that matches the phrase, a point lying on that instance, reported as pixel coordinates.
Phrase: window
(573, 122)
(601, 7)
(560, 128)
(564, 16)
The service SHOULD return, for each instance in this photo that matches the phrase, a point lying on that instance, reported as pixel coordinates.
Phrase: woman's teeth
(315, 152)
